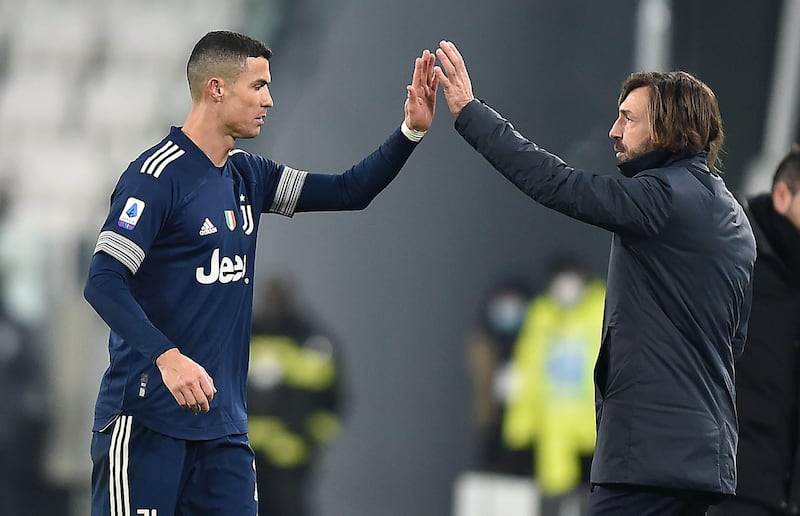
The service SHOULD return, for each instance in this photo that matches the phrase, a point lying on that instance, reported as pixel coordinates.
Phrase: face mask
(567, 288)
(505, 313)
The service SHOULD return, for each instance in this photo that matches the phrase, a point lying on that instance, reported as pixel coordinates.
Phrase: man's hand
(421, 99)
(454, 77)
(189, 383)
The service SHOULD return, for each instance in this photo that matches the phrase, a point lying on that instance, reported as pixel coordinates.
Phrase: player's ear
(781, 197)
(214, 88)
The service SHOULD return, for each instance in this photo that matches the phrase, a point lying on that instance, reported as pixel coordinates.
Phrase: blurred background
(86, 85)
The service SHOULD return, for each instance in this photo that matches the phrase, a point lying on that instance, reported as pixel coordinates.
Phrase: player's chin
(249, 132)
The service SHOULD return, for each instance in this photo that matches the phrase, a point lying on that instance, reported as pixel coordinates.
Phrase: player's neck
(208, 136)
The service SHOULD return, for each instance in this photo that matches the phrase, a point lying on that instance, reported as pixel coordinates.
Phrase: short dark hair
(788, 170)
(221, 53)
(683, 113)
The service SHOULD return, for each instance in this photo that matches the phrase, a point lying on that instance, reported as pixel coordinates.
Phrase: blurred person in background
(172, 276)
(24, 415)
(24, 488)
(489, 349)
(294, 399)
(678, 285)
(551, 399)
(768, 373)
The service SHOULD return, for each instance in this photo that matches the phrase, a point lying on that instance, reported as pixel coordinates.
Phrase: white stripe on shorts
(118, 467)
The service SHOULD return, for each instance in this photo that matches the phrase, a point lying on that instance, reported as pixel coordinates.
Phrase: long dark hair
(684, 113)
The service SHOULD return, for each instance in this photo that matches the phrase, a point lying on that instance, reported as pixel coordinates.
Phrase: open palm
(420, 103)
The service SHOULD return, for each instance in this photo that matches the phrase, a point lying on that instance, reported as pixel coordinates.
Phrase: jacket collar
(659, 158)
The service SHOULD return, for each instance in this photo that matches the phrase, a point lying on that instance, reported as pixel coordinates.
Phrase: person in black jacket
(295, 399)
(767, 376)
(678, 290)
(489, 349)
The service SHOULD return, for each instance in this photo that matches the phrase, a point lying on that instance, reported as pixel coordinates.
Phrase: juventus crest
(247, 218)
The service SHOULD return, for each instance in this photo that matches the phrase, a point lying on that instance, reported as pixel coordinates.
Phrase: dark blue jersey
(185, 231)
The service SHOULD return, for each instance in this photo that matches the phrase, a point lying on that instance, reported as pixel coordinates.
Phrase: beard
(625, 153)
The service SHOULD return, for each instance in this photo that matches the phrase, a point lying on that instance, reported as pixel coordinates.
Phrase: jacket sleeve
(635, 206)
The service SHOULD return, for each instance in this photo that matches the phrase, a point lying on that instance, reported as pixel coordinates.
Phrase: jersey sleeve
(140, 206)
(356, 187)
(277, 187)
(107, 292)
(287, 190)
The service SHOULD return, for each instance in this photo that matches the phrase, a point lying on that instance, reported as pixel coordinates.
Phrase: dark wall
(730, 45)
(400, 283)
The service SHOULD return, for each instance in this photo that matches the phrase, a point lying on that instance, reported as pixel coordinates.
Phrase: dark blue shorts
(139, 472)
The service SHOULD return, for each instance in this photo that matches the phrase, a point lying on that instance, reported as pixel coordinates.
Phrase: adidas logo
(208, 228)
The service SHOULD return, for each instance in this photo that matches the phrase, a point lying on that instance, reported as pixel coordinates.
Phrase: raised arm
(626, 205)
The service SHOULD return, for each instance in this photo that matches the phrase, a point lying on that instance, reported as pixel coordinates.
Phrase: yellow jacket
(551, 402)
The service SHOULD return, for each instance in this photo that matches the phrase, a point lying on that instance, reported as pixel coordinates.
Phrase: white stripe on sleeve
(126, 251)
(288, 191)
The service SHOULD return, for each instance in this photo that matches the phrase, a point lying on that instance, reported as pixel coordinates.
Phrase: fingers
(194, 397)
(423, 70)
(181, 399)
(189, 383)
(185, 399)
(203, 392)
(201, 401)
(428, 61)
(440, 77)
(194, 401)
(422, 89)
(453, 76)
(208, 390)
(412, 93)
(452, 62)
(427, 74)
(434, 84)
(418, 78)
(447, 57)
(452, 52)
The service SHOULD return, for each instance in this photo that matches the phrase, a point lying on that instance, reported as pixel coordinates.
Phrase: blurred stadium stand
(85, 85)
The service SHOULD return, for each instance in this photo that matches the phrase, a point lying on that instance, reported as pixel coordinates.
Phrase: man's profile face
(631, 130)
(247, 100)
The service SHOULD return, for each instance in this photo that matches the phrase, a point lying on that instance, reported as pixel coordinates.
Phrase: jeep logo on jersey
(224, 270)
